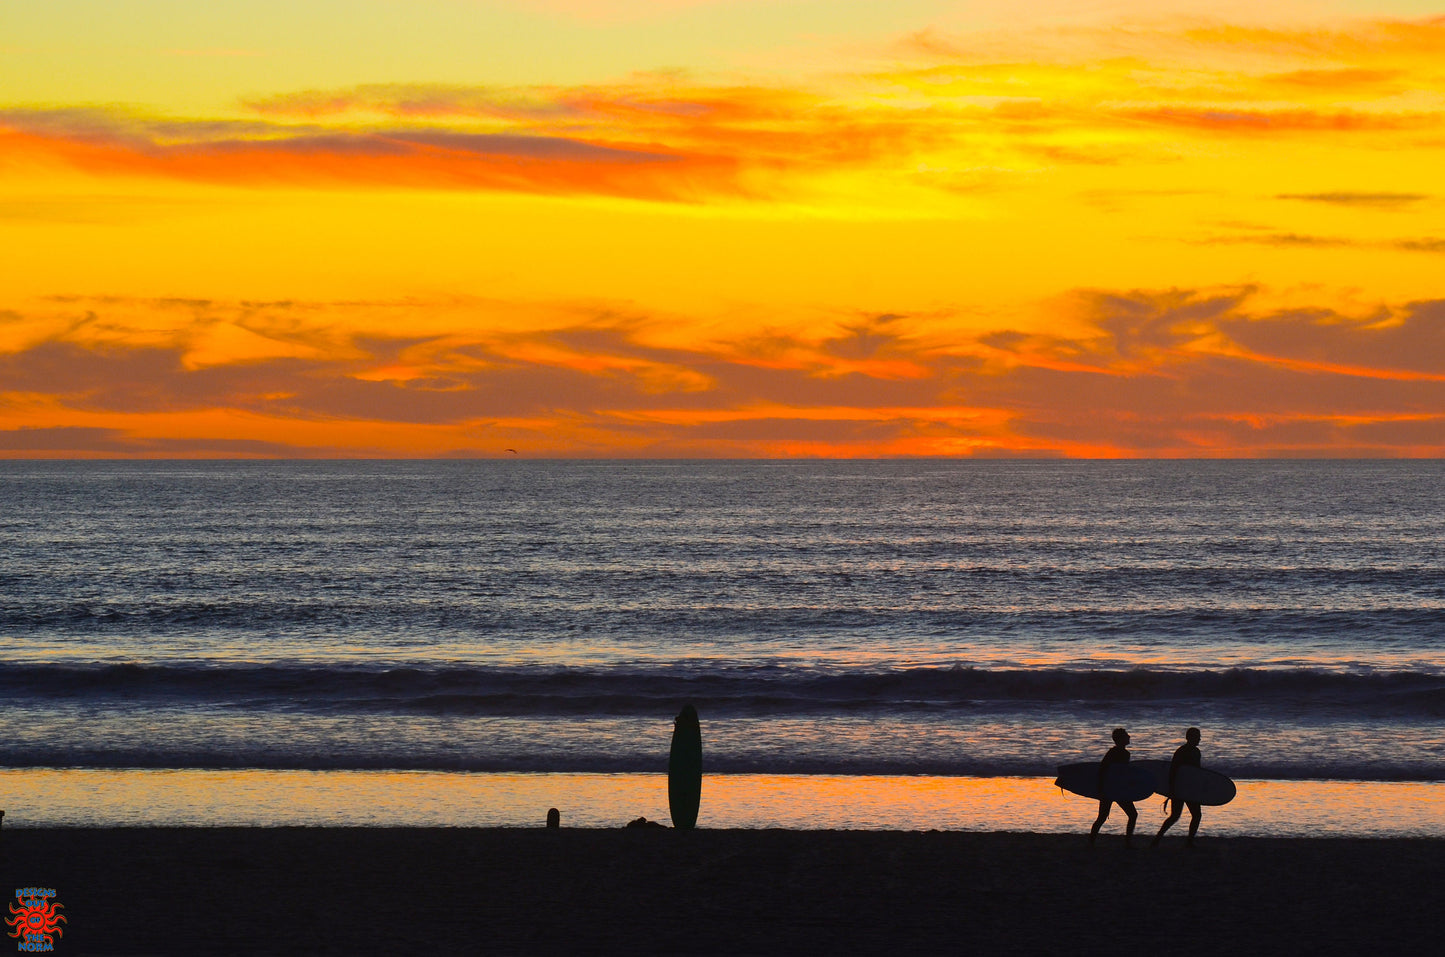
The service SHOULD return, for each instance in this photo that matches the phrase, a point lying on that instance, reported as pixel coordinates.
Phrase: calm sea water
(842, 618)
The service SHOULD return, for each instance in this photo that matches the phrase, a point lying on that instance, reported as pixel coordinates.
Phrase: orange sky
(721, 228)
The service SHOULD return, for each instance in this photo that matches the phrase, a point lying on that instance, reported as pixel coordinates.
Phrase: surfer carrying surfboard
(1116, 758)
(1186, 755)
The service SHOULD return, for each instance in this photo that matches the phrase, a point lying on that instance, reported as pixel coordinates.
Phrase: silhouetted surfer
(1118, 754)
(1186, 753)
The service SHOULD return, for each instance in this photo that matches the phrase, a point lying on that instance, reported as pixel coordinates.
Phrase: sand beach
(525, 890)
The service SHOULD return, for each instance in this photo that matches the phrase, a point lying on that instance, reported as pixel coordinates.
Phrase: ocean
(848, 620)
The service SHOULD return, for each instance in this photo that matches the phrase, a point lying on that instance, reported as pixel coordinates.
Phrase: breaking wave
(467, 690)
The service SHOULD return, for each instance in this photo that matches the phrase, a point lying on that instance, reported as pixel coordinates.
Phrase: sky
(722, 228)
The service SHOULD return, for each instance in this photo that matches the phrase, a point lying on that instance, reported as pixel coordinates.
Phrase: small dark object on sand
(554, 817)
(644, 822)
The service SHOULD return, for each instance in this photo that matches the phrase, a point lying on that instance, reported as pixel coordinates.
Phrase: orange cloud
(759, 126)
(1369, 41)
(876, 236)
(1353, 80)
(675, 138)
(1369, 200)
(431, 159)
(1174, 372)
(1274, 122)
(1424, 244)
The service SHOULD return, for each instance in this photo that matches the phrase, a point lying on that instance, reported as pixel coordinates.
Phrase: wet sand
(511, 891)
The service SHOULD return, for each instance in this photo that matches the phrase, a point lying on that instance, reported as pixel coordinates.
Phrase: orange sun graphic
(36, 916)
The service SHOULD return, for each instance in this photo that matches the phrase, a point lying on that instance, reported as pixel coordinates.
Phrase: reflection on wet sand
(39, 797)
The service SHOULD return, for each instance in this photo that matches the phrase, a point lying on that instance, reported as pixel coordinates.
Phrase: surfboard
(1122, 782)
(684, 769)
(1199, 785)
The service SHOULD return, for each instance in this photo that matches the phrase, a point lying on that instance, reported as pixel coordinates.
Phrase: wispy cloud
(679, 137)
(1381, 200)
(1264, 237)
(1369, 41)
(1275, 122)
(1347, 80)
(255, 152)
(83, 440)
(958, 170)
(1432, 244)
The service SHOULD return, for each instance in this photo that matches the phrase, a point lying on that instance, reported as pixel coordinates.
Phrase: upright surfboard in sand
(1195, 785)
(1125, 781)
(684, 769)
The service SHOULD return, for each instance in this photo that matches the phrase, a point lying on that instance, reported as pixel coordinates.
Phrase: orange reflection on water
(88, 797)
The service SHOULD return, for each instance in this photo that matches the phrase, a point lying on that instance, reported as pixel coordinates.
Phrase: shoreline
(258, 798)
(611, 890)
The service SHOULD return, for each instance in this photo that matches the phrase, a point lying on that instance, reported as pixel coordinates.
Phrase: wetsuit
(1185, 754)
(1118, 754)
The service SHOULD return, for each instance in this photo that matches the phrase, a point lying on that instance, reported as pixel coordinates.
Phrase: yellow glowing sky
(721, 228)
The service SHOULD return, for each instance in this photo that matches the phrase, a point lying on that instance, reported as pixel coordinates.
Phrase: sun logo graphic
(35, 920)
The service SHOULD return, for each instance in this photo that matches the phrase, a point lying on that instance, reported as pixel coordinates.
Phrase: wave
(1063, 610)
(270, 756)
(478, 690)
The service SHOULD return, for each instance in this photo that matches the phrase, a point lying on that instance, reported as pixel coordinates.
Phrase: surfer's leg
(1128, 807)
(1177, 809)
(1099, 821)
(1194, 812)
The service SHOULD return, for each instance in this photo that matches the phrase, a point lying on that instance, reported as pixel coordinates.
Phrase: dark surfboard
(684, 769)
(1123, 781)
(1196, 785)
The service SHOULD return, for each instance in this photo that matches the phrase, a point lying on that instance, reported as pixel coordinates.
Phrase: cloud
(1353, 80)
(1433, 244)
(259, 153)
(1296, 239)
(1098, 94)
(65, 439)
(1368, 40)
(73, 440)
(652, 139)
(1359, 199)
(1152, 372)
(938, 109)
(1275, 122)
(1200, 372)
(759, 125)
(1253, 237)
(1406, 343)
(420, 100)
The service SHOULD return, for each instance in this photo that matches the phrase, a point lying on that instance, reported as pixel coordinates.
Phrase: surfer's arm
(1180, 757)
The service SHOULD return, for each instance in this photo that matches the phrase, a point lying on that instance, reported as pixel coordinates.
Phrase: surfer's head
(1192, 736)
(1121, 737)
